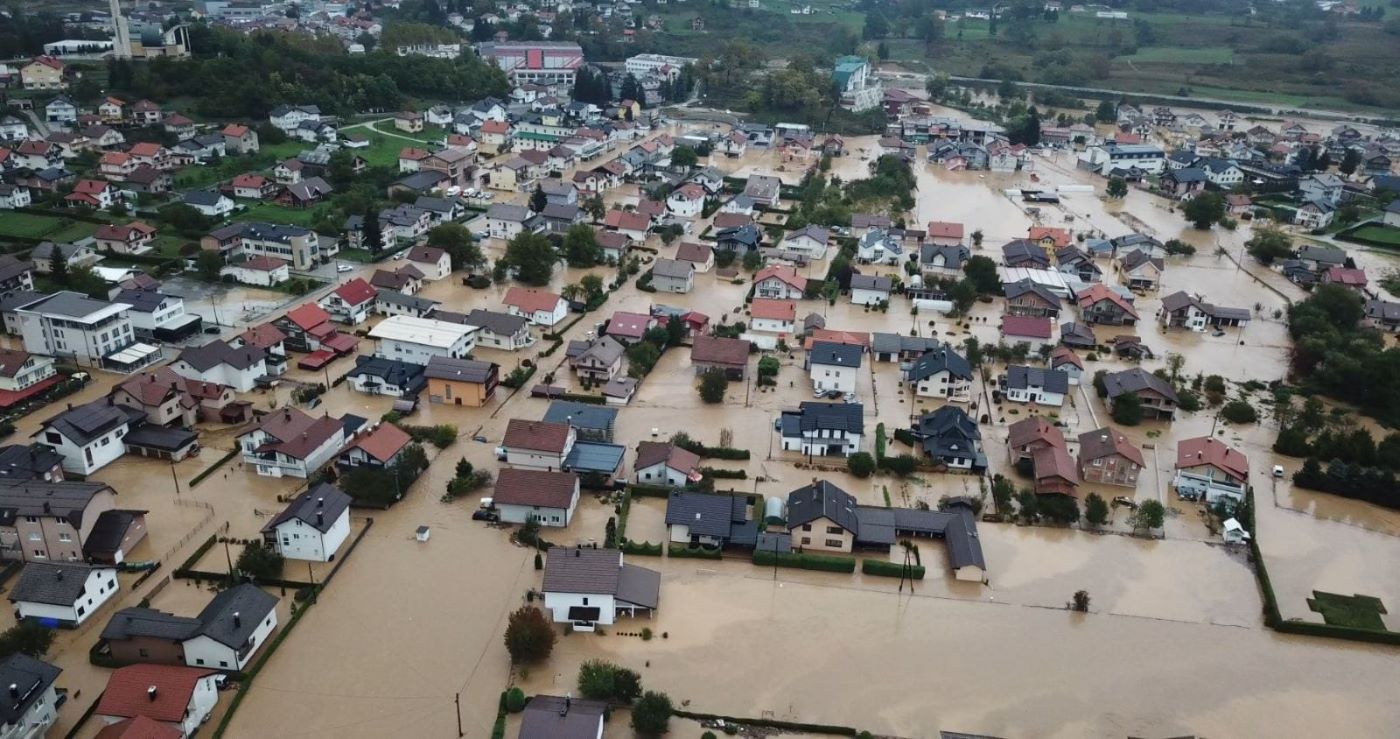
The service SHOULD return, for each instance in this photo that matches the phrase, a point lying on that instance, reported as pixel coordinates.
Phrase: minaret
(121, 35)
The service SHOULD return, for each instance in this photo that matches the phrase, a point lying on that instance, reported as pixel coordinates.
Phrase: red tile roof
(263, 263)
(356, 291)
(145, 149)
(138, 728)
(128, 691)
(1059, 235)
(1033, 326)
(783, 273)
(535, 488)
(539, 436)
(1098, 292)
(256, 181)
(719, 350)
(383, 442)
(945, 230)
(235, 130)
(500, 127)
(530, 300)
(308, 316)
(621, 219)
(1204, 450)
(629, 325)
(781, 310)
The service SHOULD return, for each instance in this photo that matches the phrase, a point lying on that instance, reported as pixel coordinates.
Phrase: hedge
(648, 491)
(193, 559)
(723, 474)
(581, 398)
(211, 469)
(682, 550)
(714, 452)
(640, 548)
(804, 561)
(905, 436)
(884, 568)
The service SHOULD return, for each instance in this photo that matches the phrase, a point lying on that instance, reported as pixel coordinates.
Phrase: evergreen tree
(373, 235)
(538, 199)
(58, 266)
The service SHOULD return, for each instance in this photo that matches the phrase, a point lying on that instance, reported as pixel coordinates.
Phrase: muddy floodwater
(1174, 644)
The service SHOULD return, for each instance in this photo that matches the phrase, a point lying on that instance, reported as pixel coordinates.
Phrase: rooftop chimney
(14, 690)
(237, 619)
(151, 693)
(320, 519)
(58, 575)
(320, 502)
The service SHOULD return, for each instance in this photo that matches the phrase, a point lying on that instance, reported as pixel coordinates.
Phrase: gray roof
(595, 456)
(1383, 310)
(672, 268)
(1136, 380)
(1329, 255)
(600, 571)
(948, 431)
(138, 622)
(219, 352)
(933, 362)
(871, 282)
(710, 514)
(581, 415)
(412, 302)
(19, 463)
(1023, 250)
(81, 424)
(320, 507)
(504, 212)
(31, 678)
(812, 416)
(19, 299)
(142, 301)
(465, 370)
(70, 304)
(502, 324)
(248, 602)
(1187, 174)
(51, 583)
(552, 717)
(560, 212)
(1021, 287)
(67, 500)
(605, 350)
(1020, 377)
(822, 499)
(203, 197)
(886, 343)
(826, 352)
(954, 255)
(408, 377)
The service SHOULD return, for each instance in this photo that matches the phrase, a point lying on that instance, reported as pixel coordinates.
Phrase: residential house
(686, 201)
(1322, 187)
(95, 194)
(156, 315)
(887, 347)
(1028, 436)
(631, 224)
(209, 203)
(879, 246)
(33, 704)
(314, 524)
(1314, 214)
(1022, 384)
(540, 307)
(941, 373)
(16, 275)
(380, 376)
(701, 256)
(1141, 270)
(1025, 253)
(219, 362)
(62, 594)
(772, 316)
(289, 443)
(240, 139)
(406, 280)
(672, 276)
(1073, 261)
(173, 700)
(24, 375)
(1382, 314)
(714, 352)
(943, 260)
(1104, 305)
(13, 197)
(88, 437)
(950, 437)
(1210, 469)
(823, 429)
(1049, 238)
(664, 463)
(1350, 278)
(1028, 298)
(507, 221)
(1157, 396)
(1033, 330)
(870, 289)
(162, 395)
(553, 717)
(546, 496)
(833, 367)
(590, 587)
(261, 271)
(133, 238)
(1182, 310)
(596, 361)
(457, 381)
(1106, 456)
(350, 303)
(1065, 360)
(779, 282)
(416, 340)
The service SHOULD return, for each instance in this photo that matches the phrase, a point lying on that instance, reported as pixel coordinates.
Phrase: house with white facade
(62, 594)
(289, 443)
(312, 527)
(434, 263)
(823, 429)
(351, 303)
(870, 289)
(833, 366)
(808, 243)
(672, 276)
(1039, 385)
(497, 330)
(664, 463)
(941, 373)
(537, 444)
(33, 703)
(773, 316)
(548, 497)
(161, 700)
(88, 437)
(540, 307)
(587, 588)
(90, 332)
(1210, 469)
(416, 340)
(779, 282)
(219, 362)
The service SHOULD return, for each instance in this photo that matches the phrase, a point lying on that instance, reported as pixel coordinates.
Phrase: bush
(1239, 411)
(529, 635)
(604, 681)
(722, 474)
(515, 700)
(1127, 410)
(1095, 509)
(684, 441)
(883, 568)
(651, 714)
(440, 436)
(26, 637)
(903, 465)
(905, 436)
(713, 383)
(804, 561)
(260, 562)
(861, 464)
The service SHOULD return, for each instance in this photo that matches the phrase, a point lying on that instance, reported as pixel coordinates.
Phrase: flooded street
(1174, 643)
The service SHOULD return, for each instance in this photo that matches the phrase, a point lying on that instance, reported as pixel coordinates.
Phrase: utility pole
(457, 699)
(174, 477)
(228, 557)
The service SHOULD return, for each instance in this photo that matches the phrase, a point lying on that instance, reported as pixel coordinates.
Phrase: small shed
(423, 533)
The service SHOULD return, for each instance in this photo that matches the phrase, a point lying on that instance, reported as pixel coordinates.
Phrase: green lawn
(1356, 611)
(273, 213)
(29, 225)
(1381, 233)
(1170, 55)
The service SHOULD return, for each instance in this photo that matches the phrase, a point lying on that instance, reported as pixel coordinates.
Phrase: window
(222, 663)
(199, 661)
(81, 611)
(834, 543)
(834, 530)
(1098, 462)
(806, 527)
(806, 540)
(65, 537)
(143, 652)
(585, 601)
(53, 437)
(35, 536)
(39, 554)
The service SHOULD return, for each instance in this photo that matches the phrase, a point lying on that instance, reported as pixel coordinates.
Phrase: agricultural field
(38, 226)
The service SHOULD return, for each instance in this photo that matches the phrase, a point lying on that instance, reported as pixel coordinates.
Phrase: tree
(58, 265)
(595, 208)
(529, 635)
(26, 637)
(1204, 210)
(713, 383)
(592, 286)
(651, 714)
(461, 248)
(515, 699)
(1095, 509)
(260, 562)
(1175, 361)
(1081, 601)
(753, 260)
(1350, 160)
(882, 51)
(1239, 412)
(373, 236)
(604, 681)
(641, 357)
(209, 264)
(1117, 188)
(581, 248)
(1149, 515)
(631, 89)
(684, 156)
(861, 464)
(876, 27)
(538, 200)
(1127, 409)
(1269, 244)
(982, 271)
(182, 217)
(532, 257)
(1106, 112)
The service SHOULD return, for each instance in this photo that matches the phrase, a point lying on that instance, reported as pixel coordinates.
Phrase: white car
(344, 268)
(401, 255)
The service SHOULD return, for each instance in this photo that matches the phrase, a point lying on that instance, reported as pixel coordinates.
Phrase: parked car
(344, 268)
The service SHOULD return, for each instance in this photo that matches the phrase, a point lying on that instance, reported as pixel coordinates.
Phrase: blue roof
(589, 456)
(581, 415)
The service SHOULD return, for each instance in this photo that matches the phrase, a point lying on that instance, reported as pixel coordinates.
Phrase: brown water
(1174, 644)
